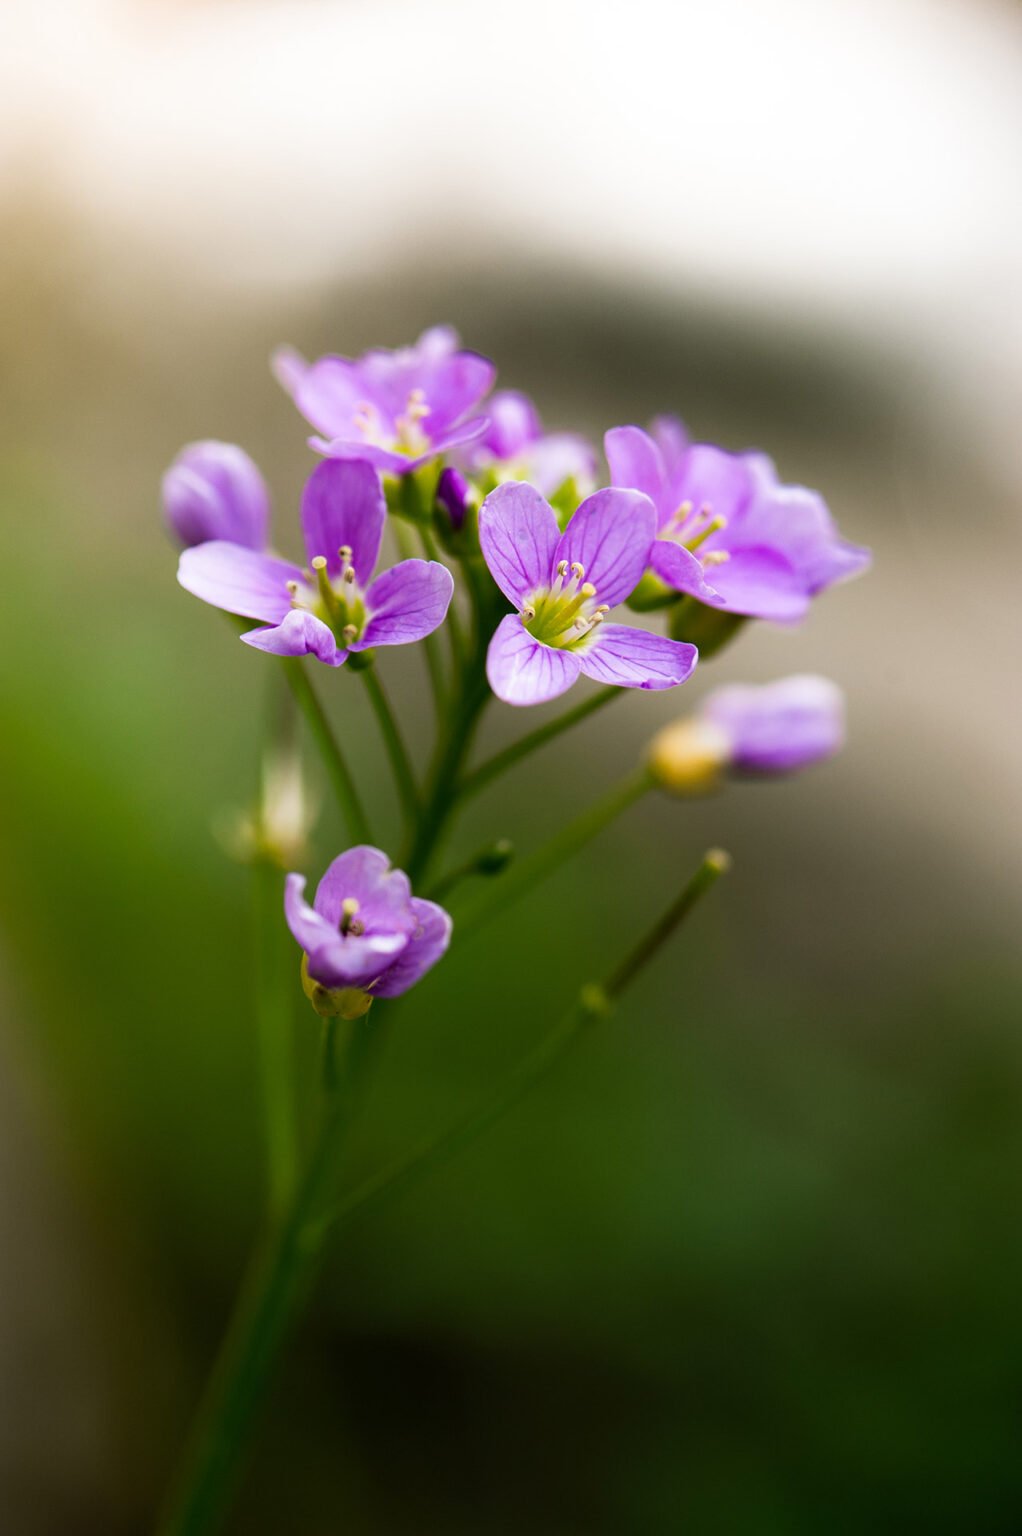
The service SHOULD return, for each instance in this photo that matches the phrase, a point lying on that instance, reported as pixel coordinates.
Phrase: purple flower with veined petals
(334, 607)
(728, 533)
(750, 730)
(365, 929)
(515, 447)
(214, 491)
(397, 410)
(563, 584)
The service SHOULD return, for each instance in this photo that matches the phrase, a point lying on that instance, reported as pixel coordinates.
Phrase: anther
(348, 574)
(577, 570)
(529, 612)
(562, 567)
(349, 633)
(292, 587)
(715, 557)
(344, 554)
(349, 907)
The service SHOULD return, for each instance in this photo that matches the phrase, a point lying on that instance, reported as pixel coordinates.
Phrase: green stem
(333, 758)
(529, 872)
(275, 1289)
(393, 742)
(502, 761)
(274, 977)
(283, 1275)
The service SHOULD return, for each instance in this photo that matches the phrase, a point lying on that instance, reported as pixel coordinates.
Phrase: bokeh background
(752, 1262)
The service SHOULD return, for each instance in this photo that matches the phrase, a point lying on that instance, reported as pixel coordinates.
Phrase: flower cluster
(680, 531)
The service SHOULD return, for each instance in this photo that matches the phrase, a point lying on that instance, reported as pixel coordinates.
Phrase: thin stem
(283, 1275)
(274, 977)
(592, 1003)
(275, 1289)
(502, 761)
(529, 872)
(393, 741)
(333, 758)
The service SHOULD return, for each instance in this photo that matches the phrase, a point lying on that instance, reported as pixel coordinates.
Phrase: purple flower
(515, 447)
(397, 410)
(763, 730)
(334, 607)
(563, 584)
(214, 491)
(365, 929)
(454, 495)
(728, 533)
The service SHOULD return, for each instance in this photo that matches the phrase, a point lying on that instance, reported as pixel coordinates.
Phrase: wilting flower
(563, 585)
(365, 932)
(728, 533)
(214, 491)
(334, 607)
(397, 409)
(772, 728)
(515, 447)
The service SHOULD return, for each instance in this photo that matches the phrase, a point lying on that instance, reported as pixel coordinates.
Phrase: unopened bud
(496, 858)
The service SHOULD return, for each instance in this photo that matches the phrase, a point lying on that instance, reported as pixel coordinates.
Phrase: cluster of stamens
(349, 922)
(411, 439)
(339, 609)
(692, 529)
(565, 613)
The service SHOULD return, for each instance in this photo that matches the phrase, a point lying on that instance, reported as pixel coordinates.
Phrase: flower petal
(237, 579)
(309, 927)
(610, 537)
(682, 570)
(383, 893)
(780, 726)
(406, 603)
(633, 658)
(522, 670)
(299, 633)
(328, 392)
(558, 457)
(518, 534)
(389, 461)
(514, 423)
(636, 463)
(761, 583)
(424, 949)
(343, 503)
(214, 491)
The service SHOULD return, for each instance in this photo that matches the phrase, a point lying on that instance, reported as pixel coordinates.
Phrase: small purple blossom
(563, 585)
(515, 447)
(728, 533)
(365, 929)
(395, 409)
(214, 491)
(454, 495)
(334, 607)
(778, 727)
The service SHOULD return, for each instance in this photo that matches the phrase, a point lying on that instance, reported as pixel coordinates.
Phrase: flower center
(340, 603)
(349, 922)
(563, 614)
(411, 439)
(692, 529)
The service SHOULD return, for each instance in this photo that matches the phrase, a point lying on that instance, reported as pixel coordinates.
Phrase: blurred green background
(750, 1263)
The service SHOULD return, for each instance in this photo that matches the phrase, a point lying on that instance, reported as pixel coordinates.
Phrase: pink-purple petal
(406, 603)
(521, 670)
(610, 537)
(239, 580)
(760, 583)
(299, 633)
(214, 490)
(679, 568)
(636, 463)
(518, 534)
(382, 892)
(427, 944)
(343, 504)
(781, 726)
(634, 658)
(309, 927)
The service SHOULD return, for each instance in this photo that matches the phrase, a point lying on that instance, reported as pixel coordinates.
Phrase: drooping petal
(383, 893)
(343, 504)
(610, 536)
(214, 491)
(425, 947)
(518, 534)
(406, 603)
(309, 927)
(239, 580)
(636, 463)
(682, 570)
(633, 658)
(780, 726)
(521, 670)
(299, 633)
(762, 584)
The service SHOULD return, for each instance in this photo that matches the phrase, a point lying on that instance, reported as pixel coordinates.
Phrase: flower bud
(454, 495)
(334, 1002)
(214, 491)
(750, 730)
